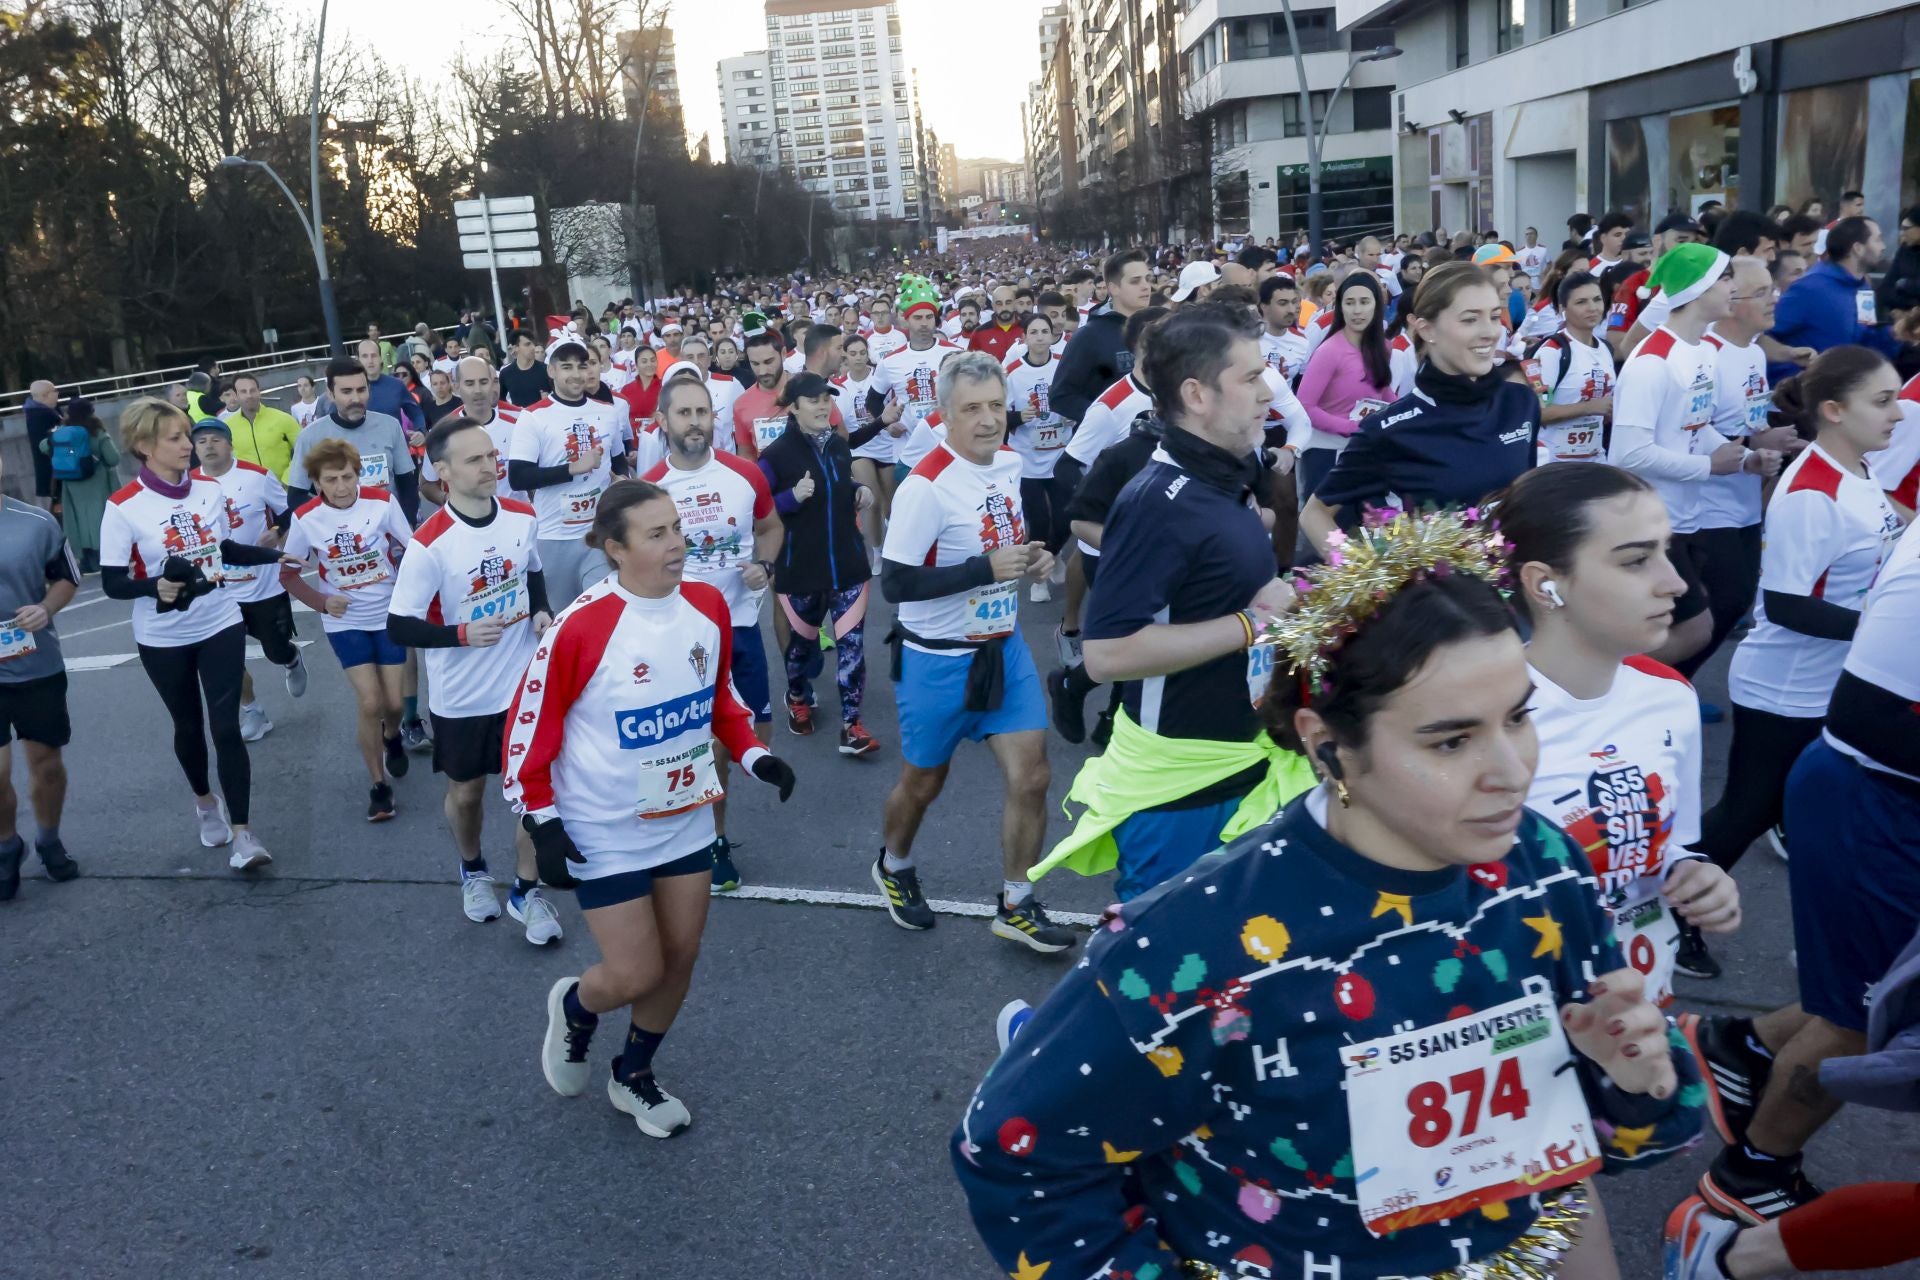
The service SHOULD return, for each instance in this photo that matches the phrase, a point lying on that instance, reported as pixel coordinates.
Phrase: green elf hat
(753, 322)
(1686, 272)
(916, 292)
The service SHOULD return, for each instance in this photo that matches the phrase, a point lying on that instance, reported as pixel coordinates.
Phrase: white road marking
(81, 602)
(108, 661)
(108, 626)
(838, 898)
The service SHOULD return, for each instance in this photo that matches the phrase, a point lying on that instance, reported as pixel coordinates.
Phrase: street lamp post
(1316, 134)
(329, 313)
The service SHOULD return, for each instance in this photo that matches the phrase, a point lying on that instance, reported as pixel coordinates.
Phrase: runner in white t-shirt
(356, 535)
(472, 600)
(1574, 370)
(566, 450)
(874, 457)
(1040, 438)
(478, 386)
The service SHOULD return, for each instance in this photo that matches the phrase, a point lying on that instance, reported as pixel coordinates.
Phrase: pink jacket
(1335, 379)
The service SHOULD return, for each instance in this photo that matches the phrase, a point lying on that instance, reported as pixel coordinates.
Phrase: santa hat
(916, 292)
(1685, 272)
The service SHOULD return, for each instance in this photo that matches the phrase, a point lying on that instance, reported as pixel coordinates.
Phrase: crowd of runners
(1395, 564)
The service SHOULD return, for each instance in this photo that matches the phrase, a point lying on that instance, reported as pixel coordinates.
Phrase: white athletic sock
(892, 864)
(1015, 892)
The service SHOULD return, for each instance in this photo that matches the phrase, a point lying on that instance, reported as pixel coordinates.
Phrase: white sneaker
(873, 562)
(565, 1065)
(254, 724)
(297, 676)
(214, 829)
(1040, 592)
(535, 912)
(248, 853)
(1777, 840)
(477, 898)
(658, 1113)
(1067, 647)
(1058, 577)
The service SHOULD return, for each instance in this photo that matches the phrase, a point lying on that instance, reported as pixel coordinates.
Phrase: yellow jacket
(266, 441)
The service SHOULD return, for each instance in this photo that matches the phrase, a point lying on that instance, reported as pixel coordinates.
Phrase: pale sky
(974, 59)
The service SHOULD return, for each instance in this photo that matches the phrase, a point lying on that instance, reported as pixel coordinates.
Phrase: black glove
(193, 583)
(553, 849)
(775, 772)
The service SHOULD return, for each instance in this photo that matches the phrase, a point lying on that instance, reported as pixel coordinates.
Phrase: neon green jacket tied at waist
(1141, 770)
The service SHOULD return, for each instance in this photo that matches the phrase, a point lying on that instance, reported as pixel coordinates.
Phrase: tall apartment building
(1517, 113)
(843, 117)
(648, 74)
(1041, 123)
(746, 109)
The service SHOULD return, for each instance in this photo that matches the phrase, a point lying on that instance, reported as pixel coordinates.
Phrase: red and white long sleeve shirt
(612, 730)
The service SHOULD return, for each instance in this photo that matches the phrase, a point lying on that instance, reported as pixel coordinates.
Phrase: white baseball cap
(1192, 276)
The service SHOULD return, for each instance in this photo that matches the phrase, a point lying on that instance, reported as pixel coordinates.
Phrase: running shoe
(477, 897)
(1058, 574)
(901, 889)
(726, 876)
(1735, 1074)
(254, 724)
(873, 563)
(658, 1113)
(1040, 592)
(1103, 729)
(800, 717)
(1695, 1237)
(856, 741)
(563, 1054)
(248, 853)
(1067, 647)
(1014, 1014)
(297, 676)
(535, 912)
(397, 756)
(214, 829)
(11, 852)
(1069, 711)
(414, 733)
(1693, 958)
(380, 803)
(53, 856)
(1777, 838)
(1755, 1198)
(1026, 922)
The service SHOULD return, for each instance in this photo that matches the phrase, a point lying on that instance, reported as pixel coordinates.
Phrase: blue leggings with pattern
(806, 614)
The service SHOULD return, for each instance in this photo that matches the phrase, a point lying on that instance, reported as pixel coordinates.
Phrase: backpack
(1566, 345)
(72, 450)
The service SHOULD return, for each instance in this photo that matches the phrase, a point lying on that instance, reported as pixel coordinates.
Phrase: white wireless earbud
(1551, 590)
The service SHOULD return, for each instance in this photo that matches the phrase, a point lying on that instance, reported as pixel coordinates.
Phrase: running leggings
(805, 616)
(1857, 1228)
(1764, 749)
(1044, 501)
(181, 674)
(1728, 562)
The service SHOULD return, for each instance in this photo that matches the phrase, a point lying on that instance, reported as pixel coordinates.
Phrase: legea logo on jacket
(650, 726)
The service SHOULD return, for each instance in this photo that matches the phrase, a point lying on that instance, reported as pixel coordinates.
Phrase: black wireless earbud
(1329, 755)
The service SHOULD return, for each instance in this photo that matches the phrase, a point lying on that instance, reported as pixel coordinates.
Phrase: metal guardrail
(157, 381)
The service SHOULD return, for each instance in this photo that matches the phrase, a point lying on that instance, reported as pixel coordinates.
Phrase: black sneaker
(905, 903)
(414, 734)
(726, 876)
(380, 803)
(53, 856)
(1103, 729)
(397, 757)
(1069, 712)
(1027, 922)
(1735, 1075)
(1694, 959)
(11, 852)
(1754, 1198)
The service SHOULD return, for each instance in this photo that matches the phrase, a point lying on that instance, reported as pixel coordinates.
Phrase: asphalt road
(330, 1072)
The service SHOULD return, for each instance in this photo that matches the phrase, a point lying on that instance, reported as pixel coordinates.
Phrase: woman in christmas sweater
(1386, 1034)
(1619, 733)
(609, 758)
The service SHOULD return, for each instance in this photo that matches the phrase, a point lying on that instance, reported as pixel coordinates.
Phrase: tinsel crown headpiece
(1362, 572)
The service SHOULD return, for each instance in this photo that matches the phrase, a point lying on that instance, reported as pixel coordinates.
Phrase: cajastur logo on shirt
(650, 726)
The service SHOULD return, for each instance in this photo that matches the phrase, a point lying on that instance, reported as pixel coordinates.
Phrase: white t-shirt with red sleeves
(255, 498)
(357, 550)
(1827, 533)
(1620, 774)
(719, 502)
(141, 527)
(1882, 650)
(881, 345)
(500, 431)
(852, 392)
(613, 726)
(457, 572)
(946, 512)
(927, 433)
(552, 433)
(1662, 420)
(1588, 376)
(1897, 467)
(1741, 399)
(1285, 353)
(1108, 419)
(910, 378)
(1042, 434)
